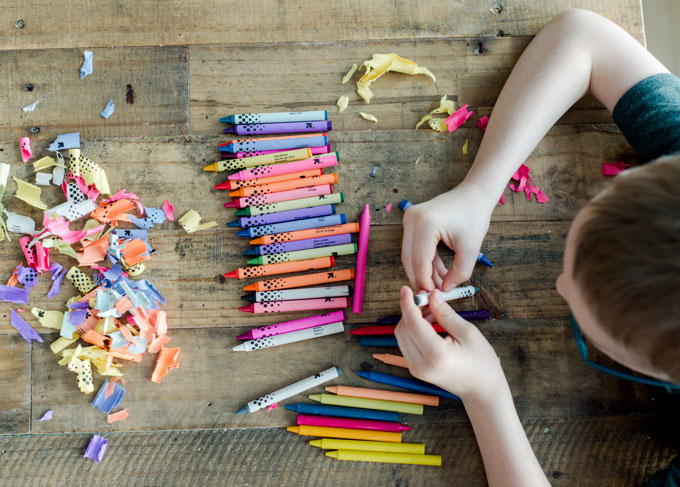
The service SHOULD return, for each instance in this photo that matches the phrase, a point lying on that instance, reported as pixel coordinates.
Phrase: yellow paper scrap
(438, 124)
(135, 270)
(418, 160)
(368, 116)
(191, 222)
(81, 281)
(48, 318)
(95, 355)
(381, 64)
(445, 106)
(29, 193)
(349, 74)
(90, 171)
(61, 343)
(44, 163)
(465, 146)
(83, 370)
(60, 245)
(342, 103)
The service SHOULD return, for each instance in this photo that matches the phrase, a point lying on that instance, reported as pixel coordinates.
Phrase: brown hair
(627, 262)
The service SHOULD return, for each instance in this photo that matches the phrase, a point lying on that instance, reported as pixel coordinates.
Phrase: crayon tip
(247, 309)
(242, 212)
(257, 241)
(243, 233)
(230, 130)
(332, 259)
(224, 185)
(234, 224)
(231, 204)
(484, 260)
(332, 454)
(332, 389)
(315, 397)
(244, 336)
(476, 289)
(243, 410)
(293, 429)
(364, 374)
(234, 176)
(249, 287)
(211, 167)
(255, 261)
(227, 119)
(250, 252)
(405, 205)
(316, 443)
(239, 348)
(237, 193)
(232, 274)
(248, 297)
(343, 219)
(291, 407)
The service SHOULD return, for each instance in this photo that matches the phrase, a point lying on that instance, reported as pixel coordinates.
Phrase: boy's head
(622, 269)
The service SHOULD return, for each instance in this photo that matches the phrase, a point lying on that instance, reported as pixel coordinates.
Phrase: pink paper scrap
(271, 407)
(613, 168)
(458, 118)
(169, 210)
(388, 207)
(482, 123)
(26, 151)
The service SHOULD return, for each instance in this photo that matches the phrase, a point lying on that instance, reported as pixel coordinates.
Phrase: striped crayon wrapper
(318, 162)
(294, 194)
(296, 305)
(350, 434)
(282, 268)
(306, 234)
(368, 393)
(236, 184)
(301, 281)
(327, 199)
(277, 187)
(324, 149)
(294, 325)
(265, 159)
(360, 424)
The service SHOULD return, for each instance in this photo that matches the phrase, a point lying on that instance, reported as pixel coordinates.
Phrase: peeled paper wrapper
(368, 116)
(524, 184)
(13, 294)
(46, 417)
(86, 68)
(191, 222)
(26, 330)
(97, 446)
(25, 146)
(43, 178)
(458, 118)
(154, 216)
(44, 163)
(90, 171)
(105, 403)
(83, 371)
(117, 416)
(342, 103)
(48, 318)
(65, 141)
(164, 362)
(19, 223)
(169, 211)
(613, 168)
(445, 106)
(108, 109)
(81, 281)
(349, 74)
(381, 64)
(28, 193)
(482, 123)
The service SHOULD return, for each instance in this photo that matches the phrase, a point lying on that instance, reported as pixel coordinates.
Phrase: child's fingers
(408, 348)
(439, 266)
(418, 328)
(461, 267)
(407, 253)
(454, 325)
(424, 251)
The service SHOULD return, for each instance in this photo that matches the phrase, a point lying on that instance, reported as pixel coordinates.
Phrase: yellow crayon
(349, 433)
(386, 457)
(339, 444)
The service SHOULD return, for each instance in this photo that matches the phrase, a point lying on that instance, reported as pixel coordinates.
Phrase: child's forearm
(506, 452)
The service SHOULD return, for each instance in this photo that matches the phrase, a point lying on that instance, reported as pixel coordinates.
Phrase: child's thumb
(443, 314)
(461, 269)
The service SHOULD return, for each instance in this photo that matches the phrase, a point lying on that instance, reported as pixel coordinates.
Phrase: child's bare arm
(576, 52)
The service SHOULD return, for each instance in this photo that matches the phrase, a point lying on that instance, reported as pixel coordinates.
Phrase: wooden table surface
(190, 62)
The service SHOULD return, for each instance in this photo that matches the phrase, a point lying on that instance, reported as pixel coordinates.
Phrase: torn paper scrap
(26, 330)
(117, 416)
(58, 174)
(445, 106)
(48, 318)
(72, 211)
(31, 107)
(482, 123)
(13, 294)
(106, 403)
(388, 207)
(29, 193)
(420, 158)
(46, 417)
(342, 103)
(368, 116)
(81, 281)
(44, 163)
(96, 447)
(26, 151)
(349, 74)
(43, 178)
(108, 109)
(86, 68)
(90, 171)
(154, 216)
(20, 223)
(65, 141)
(381, 64)
(524, 184)
(164, 362)
(613, 168)
(191, 222)
(465, 147)
(458, 118)
(169, 211)
(4, 177)
(83, 371)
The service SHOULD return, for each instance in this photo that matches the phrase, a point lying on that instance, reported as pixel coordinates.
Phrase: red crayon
(385, 330)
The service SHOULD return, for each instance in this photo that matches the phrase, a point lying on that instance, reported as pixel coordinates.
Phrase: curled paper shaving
(108, 109)
(342, 103)
(445, 106)
(169, 211)
(26, 331)
(164, 362)
(83, 371)
(20, 223)
(26, 151)
(46, 417)
(48, 318)
(482, 123)
(65, 141)
(44, 163)
(349, 74)
(96, 447)
(105, 403)
(29, 193)
(191, 222)
(368, 116)
(12, 294)
(91, 172)
(458, 118)
(465, 147)
(381, 64)
(43, 178)
(117, 416)
(86, 68)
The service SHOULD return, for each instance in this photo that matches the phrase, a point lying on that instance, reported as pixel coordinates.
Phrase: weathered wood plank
(125, 23)
(616, 451)
(159, 78)
(15, 383)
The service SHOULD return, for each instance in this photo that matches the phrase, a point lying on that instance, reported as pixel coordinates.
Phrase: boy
(621, 262)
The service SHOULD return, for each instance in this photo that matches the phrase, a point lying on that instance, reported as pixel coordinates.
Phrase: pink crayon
(296, 305)
(324, 149)
(286, 167)
(295, 325)
(293, 194)
(358, 424)
(362, 251)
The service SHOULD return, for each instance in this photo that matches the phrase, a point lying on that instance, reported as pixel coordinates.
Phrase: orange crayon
(285, 185)
(348, 433)
(300, 281)
(305, 234)
(366, 393)
(391, 359)
(230, 185)
(282, 268)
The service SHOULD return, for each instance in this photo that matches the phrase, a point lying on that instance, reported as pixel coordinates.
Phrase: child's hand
(460, 219)
(463, 363)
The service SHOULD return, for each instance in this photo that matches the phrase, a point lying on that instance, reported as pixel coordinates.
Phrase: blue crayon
(404, 383)
(378, 341)
(343, 412)
(306, 244)
(276, 143)
(481, 258)
(292, 226)
(282, 216)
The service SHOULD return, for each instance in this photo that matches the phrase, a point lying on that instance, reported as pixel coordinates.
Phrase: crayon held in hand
(294, 194)
(282, 268)
(232, 185)
(294, 325)
(352, 434)
(385, 330)
(293, 225)
(455, 293)
(275, 158)
(304, 234)
(335, 251)
(318, 162)
(293, 337)
(328, 199)
(288, 185)
(300, 281)
(358, 445)
(280, 128)
(470, 315)
(310, 243)
(295, 306)
(303, 293)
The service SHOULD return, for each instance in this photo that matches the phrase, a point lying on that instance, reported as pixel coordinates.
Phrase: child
(621, 274)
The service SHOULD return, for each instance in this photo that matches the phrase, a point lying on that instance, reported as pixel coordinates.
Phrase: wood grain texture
(158, 76)
(15, 382)
(176, 22)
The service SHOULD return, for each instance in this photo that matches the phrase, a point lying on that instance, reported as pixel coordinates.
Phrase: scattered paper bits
(191, 222)
(368, 116)
(342, 103)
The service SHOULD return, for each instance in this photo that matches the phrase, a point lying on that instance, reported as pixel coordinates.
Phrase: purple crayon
(295, 325)
(273, 143)
(324, 149)
(283, 216)
(292, 226)
(280, 128)
(473, 315)
(309, 243)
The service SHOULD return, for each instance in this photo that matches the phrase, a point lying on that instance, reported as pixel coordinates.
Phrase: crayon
(279, 186)
(302, 293)
(324, 149)
(283, 216)
(297, 305)
(359, 424)
(481, 258)
(335, 251)
(318, 162)
(286, 338)
(358, 445)
(327, 199)
(300, 281)
(386, 457)
(342, 412)
(306, 234)
(295, 325)
(265, 159)
(275, 117)
(383, 330)
(271, 143)
(283, 268)
(359, 402)
(390, 359)
(293, 194)
(291, 226)
(280, 128)
(455, 293)
(291, 390)
(310, 243)
(231, 185)
(404, 383)
(359, 278)
(378, 341)
(351, 434)
(424, 399)
(470, 315)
